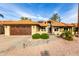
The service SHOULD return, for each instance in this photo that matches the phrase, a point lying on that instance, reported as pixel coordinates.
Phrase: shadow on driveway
(45, 53)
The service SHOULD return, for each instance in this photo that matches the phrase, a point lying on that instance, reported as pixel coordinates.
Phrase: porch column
(33, 29)
(52, 30)
(59, 30)
(7, 30)
(47, 29)
(72, 30)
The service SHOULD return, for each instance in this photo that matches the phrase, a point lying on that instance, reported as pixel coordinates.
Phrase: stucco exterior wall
(53, 30)
(60, 30)
(57, 32)
(40, 32)
(35, 30)
(73, 30)
(7, 30)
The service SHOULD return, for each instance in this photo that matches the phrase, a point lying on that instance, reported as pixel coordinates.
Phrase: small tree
(67, 35)
(24, 18)
(56, 17)
(1, 15)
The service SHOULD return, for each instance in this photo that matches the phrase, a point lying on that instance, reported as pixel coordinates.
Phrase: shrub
(67, 35)
(44, 36)
(69, 38)
(36, 36)
(62, 35)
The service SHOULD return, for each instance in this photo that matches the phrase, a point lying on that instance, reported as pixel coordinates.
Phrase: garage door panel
(20, 30)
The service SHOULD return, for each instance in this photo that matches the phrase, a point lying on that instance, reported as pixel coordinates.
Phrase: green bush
(36, 36)
(67, 35)
(44, 36)
(69, 38)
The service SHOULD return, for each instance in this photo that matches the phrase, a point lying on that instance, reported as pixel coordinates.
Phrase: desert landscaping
(26, 46)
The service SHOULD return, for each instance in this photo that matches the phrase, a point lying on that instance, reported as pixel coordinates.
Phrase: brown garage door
(20, 30)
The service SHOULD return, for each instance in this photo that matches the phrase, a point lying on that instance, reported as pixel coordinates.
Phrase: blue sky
(39, 11)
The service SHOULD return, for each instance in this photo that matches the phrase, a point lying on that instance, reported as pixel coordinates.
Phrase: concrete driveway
(13, 45)
(8, 42)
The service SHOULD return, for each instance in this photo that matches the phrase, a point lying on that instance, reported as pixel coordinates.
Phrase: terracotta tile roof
(55, 23)
(17, 22)
(43, 24)
(76, 25)
(22, 22)
(58, 24)
(69, 25)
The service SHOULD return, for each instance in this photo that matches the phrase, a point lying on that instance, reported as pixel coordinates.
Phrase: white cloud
(56, 9)
(15, 11)
(70, 16)
(21, 13)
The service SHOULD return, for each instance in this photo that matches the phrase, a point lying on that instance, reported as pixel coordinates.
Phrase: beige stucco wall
(60, 30)
(56, 32)
(7, 30)
(35, 30)
(73, 30)
(40, 32)
(53, 32)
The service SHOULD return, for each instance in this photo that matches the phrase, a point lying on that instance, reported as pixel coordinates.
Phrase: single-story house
(29, 27)
(22, 27)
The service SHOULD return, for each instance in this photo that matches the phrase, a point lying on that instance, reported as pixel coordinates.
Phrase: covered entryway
(20, 30)
(50, 30)
(1, 29)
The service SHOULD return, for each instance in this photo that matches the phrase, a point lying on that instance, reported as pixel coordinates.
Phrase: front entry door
(50, 30)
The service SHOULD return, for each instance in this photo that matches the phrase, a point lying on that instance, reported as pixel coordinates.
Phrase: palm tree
(56, 17)
(1, 26)
(1, 15)
(78, 19)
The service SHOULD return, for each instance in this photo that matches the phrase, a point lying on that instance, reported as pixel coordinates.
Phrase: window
(38, 28)
(43, 29)
(56, 29)
(33, 26)
(66, 29)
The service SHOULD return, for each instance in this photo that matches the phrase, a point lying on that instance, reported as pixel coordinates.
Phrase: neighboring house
(28, 27)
